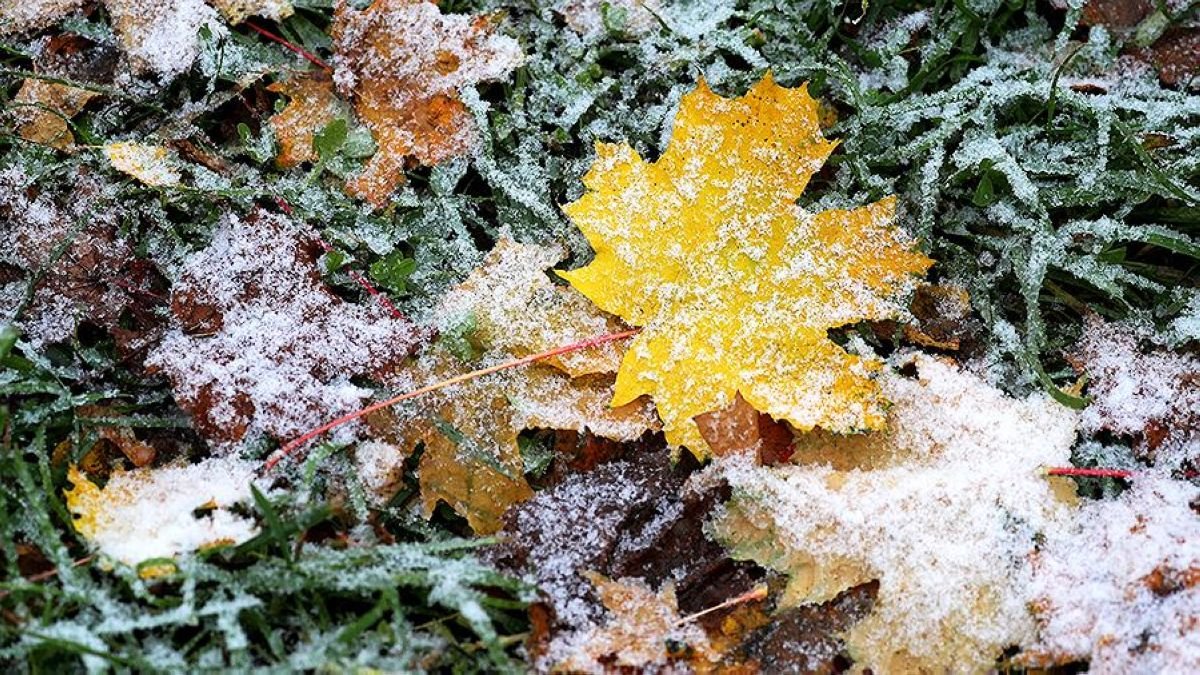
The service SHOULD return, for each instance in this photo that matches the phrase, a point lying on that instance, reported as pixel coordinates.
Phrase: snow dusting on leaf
(162, 513)
(734, 285)
(259, 345)
(153, 165)
(943, 508)
(1121, 587)
(1149, 395)
(471, 459)
(402, 63)
(312, 104)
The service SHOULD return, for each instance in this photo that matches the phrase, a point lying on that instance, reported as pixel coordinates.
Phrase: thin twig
(293, 445)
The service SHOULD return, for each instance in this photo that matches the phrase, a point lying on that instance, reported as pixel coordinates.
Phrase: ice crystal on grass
(259, 345)
(944, 509)
(1121, 587)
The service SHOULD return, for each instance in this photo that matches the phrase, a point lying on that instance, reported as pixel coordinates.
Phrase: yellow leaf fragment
(944, 508)
(402, 63)
(312, 105)
(644, 630)
(734, 285)
(151, 513)
(46, 107)
(237, 11)
(153, 165)
(471, 460)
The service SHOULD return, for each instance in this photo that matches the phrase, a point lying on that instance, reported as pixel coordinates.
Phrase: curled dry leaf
(471, 459)
(734, 285)
(402, 63)
(144, 514)
(259, 345)
(944, 509)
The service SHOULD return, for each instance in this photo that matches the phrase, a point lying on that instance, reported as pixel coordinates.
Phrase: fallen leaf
(736, 287)
(237, 11)
(740, 429)
(51, 104)
(644, 630)
(153, 165)
(402, 63)
(471, 459)
(944, 509)
(1121, 586)
(25, 16)
(311, 106)
(593, 17)
(145, 514)
(1146, 394)
(161, 38)
(258, 344)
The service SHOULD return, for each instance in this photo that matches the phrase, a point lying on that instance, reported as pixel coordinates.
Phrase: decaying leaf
(944, 509)
(593, 17)
(312, 105)
(1121, 587)
(1151, 395)
(735, 287)
(153, 165)
(97, 278)
(259, 345)
(402, 63)
(471, 459)
(50, 105)
(644, 630)
(740, 429)
(24, 16)
(162, 513)
(161, 38)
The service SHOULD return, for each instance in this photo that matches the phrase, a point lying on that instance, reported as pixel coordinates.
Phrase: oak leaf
(734, 285)
(471, 459)
(402, 63)
(944, 509)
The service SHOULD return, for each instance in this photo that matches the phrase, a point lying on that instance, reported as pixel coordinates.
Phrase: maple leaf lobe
(733, 284)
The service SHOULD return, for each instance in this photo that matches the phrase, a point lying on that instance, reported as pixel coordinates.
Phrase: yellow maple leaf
(471, 459)
(734, 285)
(944, 508)
(402, 63)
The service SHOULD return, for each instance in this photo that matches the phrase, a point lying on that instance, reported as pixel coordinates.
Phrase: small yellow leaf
(151, 513)
(153, 165)
(734, 285)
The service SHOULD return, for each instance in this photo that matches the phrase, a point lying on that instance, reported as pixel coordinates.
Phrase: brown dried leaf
(259, 344)
(312, 105)
(25, 16)
(740, 429)
(402, 63)
(237, 11)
